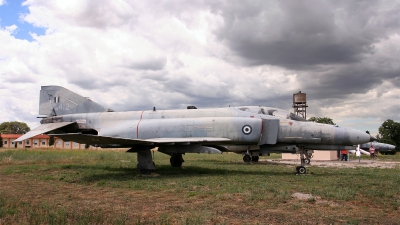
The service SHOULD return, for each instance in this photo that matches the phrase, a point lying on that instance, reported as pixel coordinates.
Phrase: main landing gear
(247, 158)
(145, 164)
(176, 160)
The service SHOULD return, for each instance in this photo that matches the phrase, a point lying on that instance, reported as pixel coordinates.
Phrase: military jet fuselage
(241, 128)
(175, 132)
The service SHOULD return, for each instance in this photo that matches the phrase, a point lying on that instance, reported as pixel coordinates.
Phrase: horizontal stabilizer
(44, 128)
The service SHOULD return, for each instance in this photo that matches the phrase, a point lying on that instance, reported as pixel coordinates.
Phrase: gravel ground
(349, 164)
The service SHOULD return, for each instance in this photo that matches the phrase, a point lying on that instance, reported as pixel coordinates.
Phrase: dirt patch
(348, 164)
(314, 199)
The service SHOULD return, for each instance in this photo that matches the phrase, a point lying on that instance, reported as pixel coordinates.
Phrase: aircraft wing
(97, 140)
(43, 128)
(104, 140)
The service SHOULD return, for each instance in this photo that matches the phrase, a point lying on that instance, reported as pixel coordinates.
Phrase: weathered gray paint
(249, 128)
(270, 132)
(56, 100)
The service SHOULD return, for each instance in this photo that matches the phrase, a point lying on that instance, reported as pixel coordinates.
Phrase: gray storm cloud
(133, 55)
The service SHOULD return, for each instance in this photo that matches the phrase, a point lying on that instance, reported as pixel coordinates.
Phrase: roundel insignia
(246, 129)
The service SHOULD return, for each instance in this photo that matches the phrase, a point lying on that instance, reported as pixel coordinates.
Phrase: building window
(35, 143)
(43, 143)
(5, 142)
(27, 142)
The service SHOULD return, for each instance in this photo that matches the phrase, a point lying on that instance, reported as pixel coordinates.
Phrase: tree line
(16, 127)
(13, 127)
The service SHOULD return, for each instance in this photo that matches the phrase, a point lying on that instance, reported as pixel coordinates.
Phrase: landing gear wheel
(307, 161)
(255, 158)
(301, 170)
(246, 158)
(176, 160)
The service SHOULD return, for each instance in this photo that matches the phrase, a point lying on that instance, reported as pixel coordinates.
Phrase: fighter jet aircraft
(383, 148)
(72, 117)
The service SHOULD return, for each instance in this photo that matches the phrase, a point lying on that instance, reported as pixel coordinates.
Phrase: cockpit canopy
(272, 112)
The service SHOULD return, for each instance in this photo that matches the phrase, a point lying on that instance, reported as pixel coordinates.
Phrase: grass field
(104, 187)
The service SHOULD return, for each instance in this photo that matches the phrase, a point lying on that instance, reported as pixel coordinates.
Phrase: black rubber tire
(246, 158)
(255, 158)
(175, 161)
(302, 170)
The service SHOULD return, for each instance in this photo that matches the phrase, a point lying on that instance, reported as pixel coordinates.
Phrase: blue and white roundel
(246, 129)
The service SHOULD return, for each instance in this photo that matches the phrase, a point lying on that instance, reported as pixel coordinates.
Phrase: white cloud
(11, 29)
(133, 55)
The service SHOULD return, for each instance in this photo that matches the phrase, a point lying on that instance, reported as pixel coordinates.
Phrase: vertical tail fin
(56, 100)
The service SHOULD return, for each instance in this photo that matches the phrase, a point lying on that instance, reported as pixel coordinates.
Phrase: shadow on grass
(93, 173)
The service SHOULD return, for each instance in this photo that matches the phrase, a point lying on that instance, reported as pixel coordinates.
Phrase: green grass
(212, 189)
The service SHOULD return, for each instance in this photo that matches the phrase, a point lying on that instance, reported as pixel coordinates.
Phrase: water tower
(300, 104)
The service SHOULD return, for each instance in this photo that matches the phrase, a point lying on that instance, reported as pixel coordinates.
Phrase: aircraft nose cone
(358, 137)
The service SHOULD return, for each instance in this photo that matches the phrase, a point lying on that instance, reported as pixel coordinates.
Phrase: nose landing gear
(305, 158)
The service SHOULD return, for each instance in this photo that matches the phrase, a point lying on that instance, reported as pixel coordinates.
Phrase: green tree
(389, 132)
(325, 120)
(14, 127)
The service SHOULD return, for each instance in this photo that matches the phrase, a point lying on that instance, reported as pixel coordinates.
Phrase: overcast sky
(133, 55)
